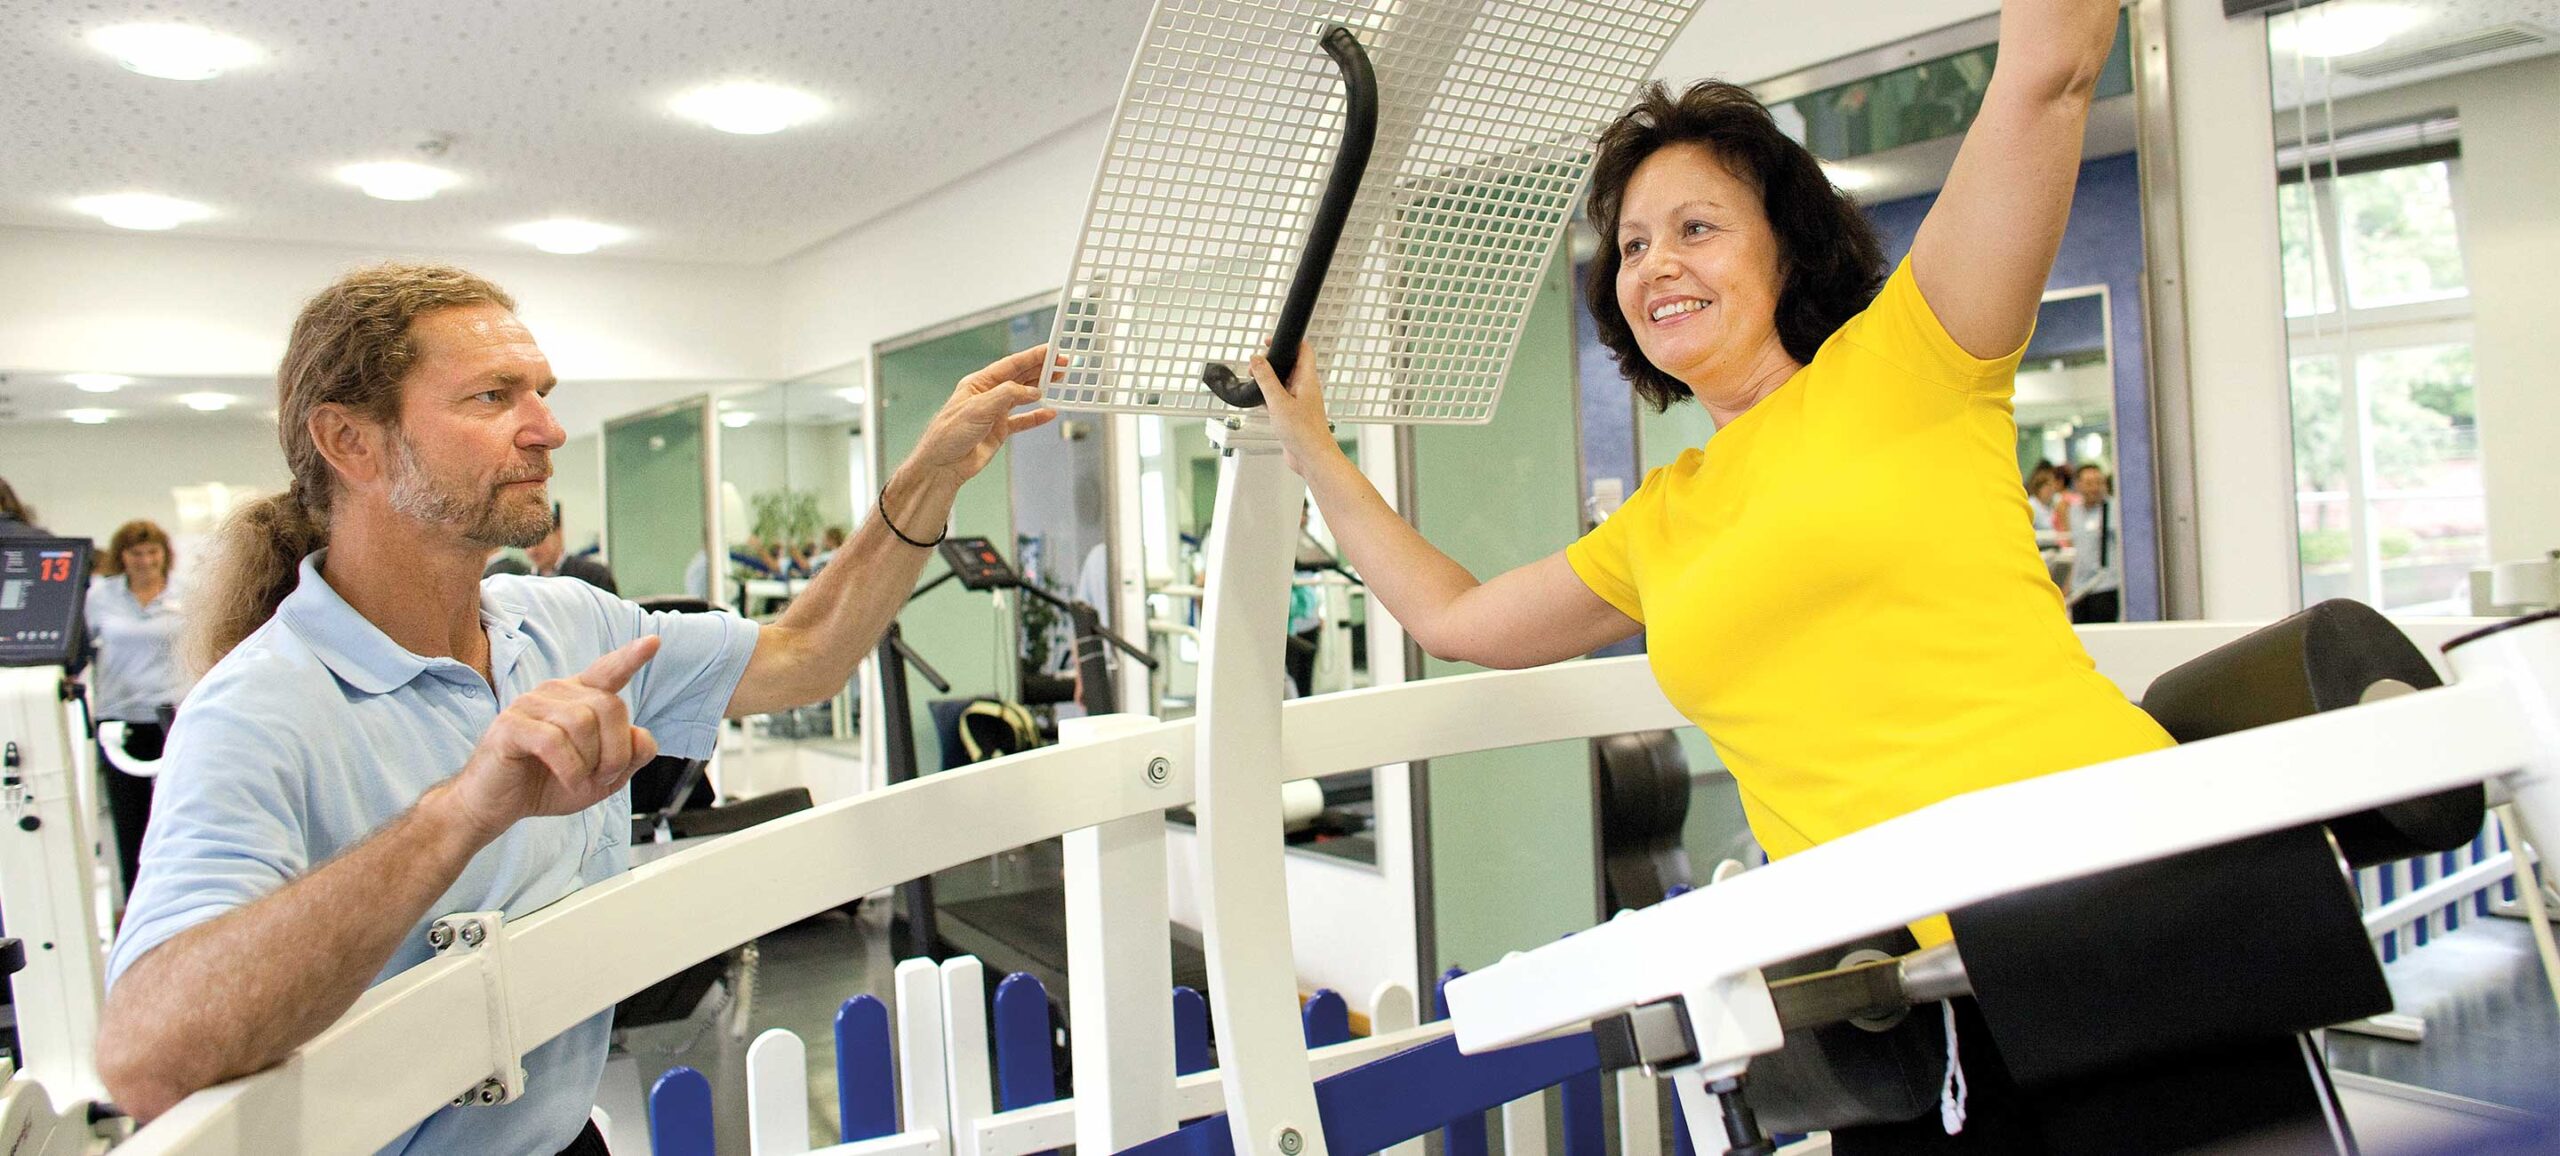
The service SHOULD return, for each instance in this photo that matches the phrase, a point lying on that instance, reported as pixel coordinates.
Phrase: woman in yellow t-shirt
(1850, 660)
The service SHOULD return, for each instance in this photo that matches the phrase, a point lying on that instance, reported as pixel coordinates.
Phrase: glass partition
(971, 639)
(789, 496)
(657, 502)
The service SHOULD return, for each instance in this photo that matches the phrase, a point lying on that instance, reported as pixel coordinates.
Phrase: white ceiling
(555, 108)
(2295, 77)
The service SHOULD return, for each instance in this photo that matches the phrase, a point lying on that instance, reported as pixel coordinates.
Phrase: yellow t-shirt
(1843, 591)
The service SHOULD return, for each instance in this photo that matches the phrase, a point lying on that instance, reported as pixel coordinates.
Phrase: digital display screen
(44, 584)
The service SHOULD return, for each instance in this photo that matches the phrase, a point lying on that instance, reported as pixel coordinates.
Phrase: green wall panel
(1512, 845)
(654, 501)
(962, 634)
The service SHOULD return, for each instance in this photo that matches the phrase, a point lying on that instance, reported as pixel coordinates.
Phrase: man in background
(2097, 558)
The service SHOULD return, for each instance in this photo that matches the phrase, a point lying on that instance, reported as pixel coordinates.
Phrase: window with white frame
(2389, 502)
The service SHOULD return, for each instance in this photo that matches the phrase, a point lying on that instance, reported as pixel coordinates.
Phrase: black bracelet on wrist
(902, 535)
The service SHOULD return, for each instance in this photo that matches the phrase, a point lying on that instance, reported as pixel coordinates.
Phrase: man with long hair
(384, 737)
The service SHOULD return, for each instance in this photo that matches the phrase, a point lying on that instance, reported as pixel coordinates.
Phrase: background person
(16, 519)
(2097, 552)
(134, 622)
(1852, 658)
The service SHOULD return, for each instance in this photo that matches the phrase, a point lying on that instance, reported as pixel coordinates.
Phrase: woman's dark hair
(1828, 258)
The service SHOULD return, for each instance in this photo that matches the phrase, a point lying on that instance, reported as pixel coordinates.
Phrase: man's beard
(482, 520)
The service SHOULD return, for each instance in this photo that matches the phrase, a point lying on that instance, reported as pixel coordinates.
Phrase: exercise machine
(48, 867)
(1018, 926)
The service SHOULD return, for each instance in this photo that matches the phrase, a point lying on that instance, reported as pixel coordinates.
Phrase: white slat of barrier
(1120, 1021)
(902, 1144)
(1639, 1113)
(777, 1095)
(967, 1077)
(924, 1096)
(1524, 1126)
(1393, 1009)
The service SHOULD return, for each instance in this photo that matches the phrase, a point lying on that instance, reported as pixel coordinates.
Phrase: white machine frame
(48, 890)
(413, 1043)
(2499, 724)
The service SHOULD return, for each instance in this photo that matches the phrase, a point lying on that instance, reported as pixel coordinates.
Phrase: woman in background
(134, 623)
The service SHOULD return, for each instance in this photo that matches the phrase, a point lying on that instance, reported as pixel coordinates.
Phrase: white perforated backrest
(1219, 154)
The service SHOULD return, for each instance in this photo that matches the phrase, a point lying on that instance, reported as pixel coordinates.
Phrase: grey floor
(2493, 1031)
(803, 974)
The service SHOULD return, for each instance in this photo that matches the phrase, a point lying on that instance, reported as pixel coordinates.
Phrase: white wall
(1002, 234)
(85, 480)
(2235, 310)
(2510, 245)
(193, 307)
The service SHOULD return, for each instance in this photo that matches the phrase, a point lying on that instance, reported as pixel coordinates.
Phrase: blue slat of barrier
(1327, 1018)
(2418, 881)
(1466, 1134)
(680, 1115)
(1024, 1073)
(2480, 851)
(2389, 879)
(1584, 1135)
(866, 1084)
(1190, 1032)
(1681, 1145)
(1395, 1099)
(2452, 911)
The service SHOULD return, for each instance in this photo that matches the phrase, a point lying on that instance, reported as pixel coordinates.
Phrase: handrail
(1341, 188)
(413, 1041)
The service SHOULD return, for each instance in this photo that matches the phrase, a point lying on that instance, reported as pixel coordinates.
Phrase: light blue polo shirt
(137, 668)
(317, 729)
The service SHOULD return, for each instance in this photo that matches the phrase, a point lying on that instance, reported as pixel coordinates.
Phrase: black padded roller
(2325, 658)
(1644, 804)
(1841, 1074)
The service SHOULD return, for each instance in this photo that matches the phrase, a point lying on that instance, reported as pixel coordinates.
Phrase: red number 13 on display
(53, 569)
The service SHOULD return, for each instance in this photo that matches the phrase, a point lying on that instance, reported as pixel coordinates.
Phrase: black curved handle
(1350, 161)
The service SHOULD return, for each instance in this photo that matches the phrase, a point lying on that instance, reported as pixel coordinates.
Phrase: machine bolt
(491, 1091)
(440, 936)
(1159, 771)
(1291, 1143)
(473, 933)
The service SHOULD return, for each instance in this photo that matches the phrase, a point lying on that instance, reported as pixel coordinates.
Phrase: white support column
(1253, 999)
(1524, 1125)
(47, 886)
(964, 1051)
(1120, 1016)
(924, 1101)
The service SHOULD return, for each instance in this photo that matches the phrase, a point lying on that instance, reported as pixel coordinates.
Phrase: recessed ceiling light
(1847, 178)
(567, 235)
(2341, 29)
(207, 402)
(855, 395)
(399, 180)
(89, 416)
(173, 51)
(737, 419)
(748, 108)
(98, 382)
(142, 210)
